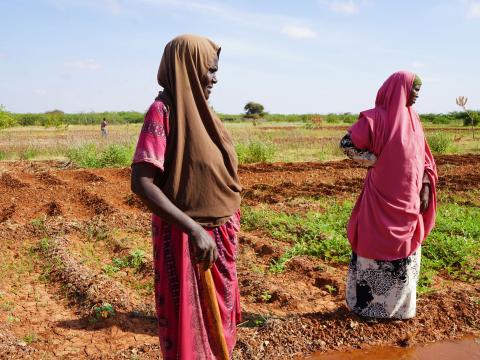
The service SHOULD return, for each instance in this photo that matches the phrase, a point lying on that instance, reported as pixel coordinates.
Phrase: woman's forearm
(363, 157)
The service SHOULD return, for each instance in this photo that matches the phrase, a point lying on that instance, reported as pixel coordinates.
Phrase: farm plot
(76, 278)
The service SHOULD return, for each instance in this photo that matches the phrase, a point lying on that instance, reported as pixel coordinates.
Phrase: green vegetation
(135, 260)
(440, 142)
(58, 118)
(254, 151)
(92, 156)
(6, 119)
(452, 248)
(103, 311)
(253, 110)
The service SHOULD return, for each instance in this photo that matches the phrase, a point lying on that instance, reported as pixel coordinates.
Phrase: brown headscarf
(200, 174)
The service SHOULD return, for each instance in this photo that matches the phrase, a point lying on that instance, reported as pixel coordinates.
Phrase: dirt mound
(11, 182)
(53, 209)
(98, 205)
(7, 213)
(49, 179)
(87, 176)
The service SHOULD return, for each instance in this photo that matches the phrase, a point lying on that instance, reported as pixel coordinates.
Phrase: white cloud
(418, 64)
(2, 55)
(344, 7)
(473, 11)
(88, 64)
(298, 32)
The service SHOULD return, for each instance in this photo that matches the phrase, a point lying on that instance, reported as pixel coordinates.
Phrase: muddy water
(467, 349)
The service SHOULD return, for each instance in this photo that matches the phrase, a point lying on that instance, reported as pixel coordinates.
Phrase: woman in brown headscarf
(185, 170)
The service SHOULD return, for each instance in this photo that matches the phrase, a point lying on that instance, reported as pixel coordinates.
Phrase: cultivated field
(75, 268)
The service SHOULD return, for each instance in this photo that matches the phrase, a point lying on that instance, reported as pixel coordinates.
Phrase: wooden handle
(212, 302)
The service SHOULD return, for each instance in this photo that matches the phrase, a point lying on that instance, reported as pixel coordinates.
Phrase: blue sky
(291, 56)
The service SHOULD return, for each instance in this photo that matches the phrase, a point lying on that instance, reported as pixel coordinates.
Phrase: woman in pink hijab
(396, 208)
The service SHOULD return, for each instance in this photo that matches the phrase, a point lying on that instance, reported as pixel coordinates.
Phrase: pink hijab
(386, 223)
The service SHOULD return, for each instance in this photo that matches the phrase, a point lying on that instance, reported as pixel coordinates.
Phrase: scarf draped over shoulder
(200, 174)
(386, 223)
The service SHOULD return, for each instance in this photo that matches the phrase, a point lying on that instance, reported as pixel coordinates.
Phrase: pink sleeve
(361, 133)
(152, 141)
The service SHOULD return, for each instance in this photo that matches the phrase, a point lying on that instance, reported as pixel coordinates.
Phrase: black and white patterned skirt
(383, 289)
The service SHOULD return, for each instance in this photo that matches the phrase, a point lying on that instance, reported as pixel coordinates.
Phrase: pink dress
(184, 324)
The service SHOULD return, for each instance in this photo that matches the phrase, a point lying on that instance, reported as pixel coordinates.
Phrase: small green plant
(97, 233)
(44, 244)
(135, 260)
(12, 319)
(265, 296)
(38, 223)
(103, 311)
(110, 269)
(330, 288)
(30, 338)
(7, 305)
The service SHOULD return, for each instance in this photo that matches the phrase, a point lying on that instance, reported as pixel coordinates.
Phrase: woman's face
(210, 78)
(414, 94)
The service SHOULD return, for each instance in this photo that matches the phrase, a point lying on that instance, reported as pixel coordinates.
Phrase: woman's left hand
(424, 197)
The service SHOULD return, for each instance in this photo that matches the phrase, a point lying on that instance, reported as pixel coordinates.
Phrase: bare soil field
(61, 226)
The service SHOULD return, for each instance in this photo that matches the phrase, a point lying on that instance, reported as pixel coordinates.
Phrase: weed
(135, 260)
(103, 311)
(44, 244)
(7, 305)
(30, 338)
(97, 233)
(38, 224)
(265, 296)
(330, 288)
(12, 319)
(110, 269)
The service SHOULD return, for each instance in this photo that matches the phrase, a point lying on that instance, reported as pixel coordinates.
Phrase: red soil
(285, 315)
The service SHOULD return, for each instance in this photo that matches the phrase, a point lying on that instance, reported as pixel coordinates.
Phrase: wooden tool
(212, 302)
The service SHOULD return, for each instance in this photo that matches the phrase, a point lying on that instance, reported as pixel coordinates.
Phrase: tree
(6, 119)
(253, 109)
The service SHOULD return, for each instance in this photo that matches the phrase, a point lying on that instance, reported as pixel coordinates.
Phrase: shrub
(255, 151)
(439, 142)
(6, 119)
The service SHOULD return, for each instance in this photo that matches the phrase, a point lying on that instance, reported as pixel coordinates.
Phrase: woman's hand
(424, 197)
(204, 247)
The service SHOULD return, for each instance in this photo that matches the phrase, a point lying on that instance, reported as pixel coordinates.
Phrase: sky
(304, 56)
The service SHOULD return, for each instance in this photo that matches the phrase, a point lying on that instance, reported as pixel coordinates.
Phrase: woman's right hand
(204, 247)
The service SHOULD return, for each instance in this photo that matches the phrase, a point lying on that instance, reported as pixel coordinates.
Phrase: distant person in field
(103, 127)
(185, 170)
(396, 209)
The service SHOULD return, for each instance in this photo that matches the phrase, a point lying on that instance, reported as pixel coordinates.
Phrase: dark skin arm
(424, 193)
(142, 184)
